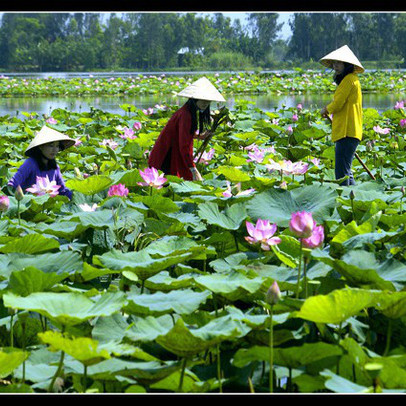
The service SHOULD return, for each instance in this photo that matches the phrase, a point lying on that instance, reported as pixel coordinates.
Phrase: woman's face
(338, 66)
(202, 104)
(50, 150)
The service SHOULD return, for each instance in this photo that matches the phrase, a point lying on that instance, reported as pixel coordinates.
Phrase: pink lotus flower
(4, 203)
(316, 239)
(206, 157)
(86, 207)
(380, 130)
(51, 120)
(315, 161)
(295, 118)
(112, 144)
(128, 134)
(256, 156)
(152, 178)
(262, 233)
(399, 105)
(78, 141)
(228, 192)
(137, 126)
(299, 106)
(289, 130)
(148, 111)
(44, 186)
(299, 168)
(302, 224)
(402, 122)
(118, 190)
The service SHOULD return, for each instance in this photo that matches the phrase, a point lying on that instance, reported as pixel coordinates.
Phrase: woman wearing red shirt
(173, 149)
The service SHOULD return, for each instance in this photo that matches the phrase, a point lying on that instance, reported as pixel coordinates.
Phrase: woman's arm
(22, 174)
(63, 190)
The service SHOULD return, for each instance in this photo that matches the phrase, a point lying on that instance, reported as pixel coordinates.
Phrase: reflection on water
(44, 105)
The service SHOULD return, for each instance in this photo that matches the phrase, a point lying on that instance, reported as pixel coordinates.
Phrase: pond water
(14, 106)
(45, 105)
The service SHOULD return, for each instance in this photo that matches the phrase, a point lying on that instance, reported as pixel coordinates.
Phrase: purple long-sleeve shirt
(27, 173)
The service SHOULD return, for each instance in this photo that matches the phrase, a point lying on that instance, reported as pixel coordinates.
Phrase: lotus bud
(352, 195)
(274, 294)
(402, 189)
(4, 203)
(77, 172)
(19, 194)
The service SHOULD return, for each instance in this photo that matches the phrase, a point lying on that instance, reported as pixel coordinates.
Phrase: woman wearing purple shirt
(41, 162)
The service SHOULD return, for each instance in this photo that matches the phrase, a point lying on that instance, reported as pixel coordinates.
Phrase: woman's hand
(204, 135)
(196, 174)
(324, 112)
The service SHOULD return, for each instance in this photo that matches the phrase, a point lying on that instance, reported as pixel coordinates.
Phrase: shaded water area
(14, 106)
(266, 102)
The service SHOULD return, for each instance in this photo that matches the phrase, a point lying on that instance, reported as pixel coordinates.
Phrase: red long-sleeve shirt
(176, 139)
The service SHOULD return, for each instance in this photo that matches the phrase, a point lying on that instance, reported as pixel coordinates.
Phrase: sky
(283, 18)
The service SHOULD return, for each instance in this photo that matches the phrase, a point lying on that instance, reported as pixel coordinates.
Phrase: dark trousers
(344, 155)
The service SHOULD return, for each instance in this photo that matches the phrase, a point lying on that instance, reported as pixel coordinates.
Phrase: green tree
(265, 29)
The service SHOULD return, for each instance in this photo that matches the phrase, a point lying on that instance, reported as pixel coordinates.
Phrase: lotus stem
(58, 371)
(84, 378)
(271, 353)
(298, 271)
(219, 368)
(182, 374)
(18, 212)
(388, 337)
(12, 329)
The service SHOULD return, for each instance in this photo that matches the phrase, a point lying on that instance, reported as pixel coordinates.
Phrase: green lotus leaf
(233, 174)
(277, 205)
(392, 304)
(188, 187)
(337, 306)
(159, 204)
(148, 328)
(91, 185)
(30, 244)
(190, 383)
(164, 282)
(10, 359)
(233, 286)
(83, 349)
(292, 357)
(184, 301)
(144, 372)
(142, 263)
(295, 153)
(66, 308)
(58, 262)
(338, 384)
(99, 219)
(187, 342)
(169, 245)
(62, 229)
(361, 268)
(31, 280)
(230, 219)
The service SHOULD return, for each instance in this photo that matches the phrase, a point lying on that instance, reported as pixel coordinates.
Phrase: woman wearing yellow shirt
(346, 109)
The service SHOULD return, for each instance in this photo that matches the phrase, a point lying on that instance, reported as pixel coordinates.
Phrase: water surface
(14, 106)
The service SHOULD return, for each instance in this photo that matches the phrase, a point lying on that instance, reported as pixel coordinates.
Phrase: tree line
(157, 41)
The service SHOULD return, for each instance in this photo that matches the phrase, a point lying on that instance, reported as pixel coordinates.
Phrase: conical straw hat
(343, 54)
(46, 135)
(202, 89)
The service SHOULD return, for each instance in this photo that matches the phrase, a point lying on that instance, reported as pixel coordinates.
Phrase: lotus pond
(131, 288)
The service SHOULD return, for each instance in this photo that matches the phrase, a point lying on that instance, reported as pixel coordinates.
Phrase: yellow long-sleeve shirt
(346, 108)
